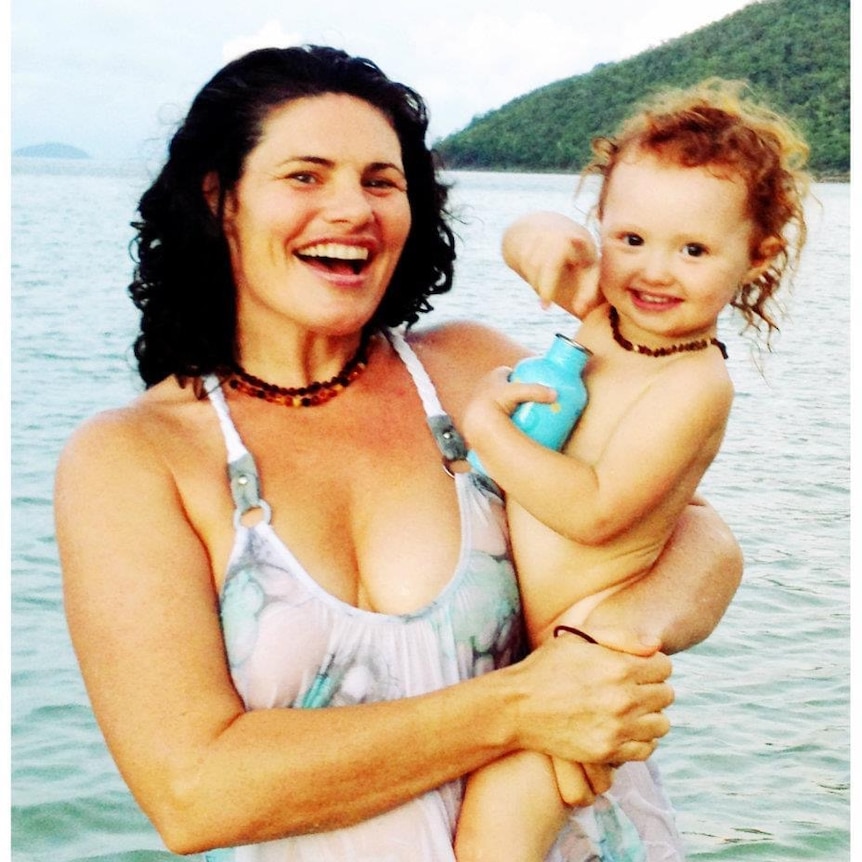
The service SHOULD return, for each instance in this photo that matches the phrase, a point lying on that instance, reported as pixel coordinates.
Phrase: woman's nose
(348, 201)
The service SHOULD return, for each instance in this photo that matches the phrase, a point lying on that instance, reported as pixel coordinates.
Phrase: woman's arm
(685, 595)
(143, 616)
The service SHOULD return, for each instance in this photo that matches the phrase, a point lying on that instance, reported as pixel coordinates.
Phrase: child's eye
(694, 249)
(632, 239)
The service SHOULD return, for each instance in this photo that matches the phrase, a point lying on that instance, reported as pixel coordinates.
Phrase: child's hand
(558, 258)
(497, 396)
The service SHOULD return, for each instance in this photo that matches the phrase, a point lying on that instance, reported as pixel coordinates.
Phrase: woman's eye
(694, 249)
(303, 177)
(384, 183)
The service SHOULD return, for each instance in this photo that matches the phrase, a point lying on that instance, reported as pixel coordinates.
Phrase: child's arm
(557, 258)
(667, 437)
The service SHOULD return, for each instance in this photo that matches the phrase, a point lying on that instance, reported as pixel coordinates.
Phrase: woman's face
(319, 217)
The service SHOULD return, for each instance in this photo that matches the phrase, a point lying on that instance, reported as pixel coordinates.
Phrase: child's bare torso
(562, 579)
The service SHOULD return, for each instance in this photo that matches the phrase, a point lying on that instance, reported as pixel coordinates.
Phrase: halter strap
(242, 472)
(449, 441)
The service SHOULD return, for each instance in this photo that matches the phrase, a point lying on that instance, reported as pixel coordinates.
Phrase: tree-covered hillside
(794, 53)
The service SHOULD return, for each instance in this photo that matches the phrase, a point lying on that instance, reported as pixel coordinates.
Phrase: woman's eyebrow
(328, 163)
(385, 166)
(315, 160)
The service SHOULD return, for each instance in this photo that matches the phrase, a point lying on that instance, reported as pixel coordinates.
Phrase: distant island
(51, 151)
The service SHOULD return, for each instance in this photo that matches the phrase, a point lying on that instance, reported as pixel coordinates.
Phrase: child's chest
(613, 388)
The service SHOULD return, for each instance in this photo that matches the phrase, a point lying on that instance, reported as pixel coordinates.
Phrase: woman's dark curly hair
(183, 285)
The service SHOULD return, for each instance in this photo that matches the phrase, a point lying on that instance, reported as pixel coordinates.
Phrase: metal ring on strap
(262, 505)
(245, 488)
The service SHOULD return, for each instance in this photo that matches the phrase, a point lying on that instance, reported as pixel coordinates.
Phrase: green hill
(794, 53)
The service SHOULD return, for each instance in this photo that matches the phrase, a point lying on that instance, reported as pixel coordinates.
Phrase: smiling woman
(336, 256)
(298, 632)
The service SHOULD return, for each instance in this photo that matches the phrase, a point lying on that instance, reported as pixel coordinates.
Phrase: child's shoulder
(699, 379)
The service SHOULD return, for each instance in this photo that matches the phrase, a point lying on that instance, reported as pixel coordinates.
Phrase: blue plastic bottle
(560, 368)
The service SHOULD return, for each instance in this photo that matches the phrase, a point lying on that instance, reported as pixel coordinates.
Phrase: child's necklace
(686, 346)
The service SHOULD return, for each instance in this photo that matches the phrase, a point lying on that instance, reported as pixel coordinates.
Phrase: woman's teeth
(334, 255)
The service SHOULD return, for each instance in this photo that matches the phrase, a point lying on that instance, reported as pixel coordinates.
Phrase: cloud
(270, 35)
(485, 59)
(489, 59)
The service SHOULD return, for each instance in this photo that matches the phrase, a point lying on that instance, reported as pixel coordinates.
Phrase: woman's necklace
(317, 392)
(686, 346)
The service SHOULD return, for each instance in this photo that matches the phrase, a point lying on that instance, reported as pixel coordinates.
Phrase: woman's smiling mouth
(336, 257)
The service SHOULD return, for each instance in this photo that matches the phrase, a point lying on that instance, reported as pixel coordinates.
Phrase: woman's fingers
(574, 784)
(628, 696)
(621, 639)
(635, 750)
(656, 696)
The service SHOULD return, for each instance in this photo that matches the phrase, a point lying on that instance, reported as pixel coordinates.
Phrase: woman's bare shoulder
(129, 434)
(458, 355)
(469, 343)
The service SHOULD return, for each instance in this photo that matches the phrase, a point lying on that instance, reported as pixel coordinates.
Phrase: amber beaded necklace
(684, 347)
(317, 392)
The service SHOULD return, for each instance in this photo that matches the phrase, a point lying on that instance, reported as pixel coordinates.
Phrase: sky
(113, 77)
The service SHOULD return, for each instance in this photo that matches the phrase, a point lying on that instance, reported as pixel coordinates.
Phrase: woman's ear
(762, 257)
(211, 189)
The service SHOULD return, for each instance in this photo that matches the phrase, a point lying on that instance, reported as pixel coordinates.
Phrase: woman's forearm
(685, 595)
(279, 772)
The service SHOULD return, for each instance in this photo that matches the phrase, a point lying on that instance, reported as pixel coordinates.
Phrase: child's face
(676, 245)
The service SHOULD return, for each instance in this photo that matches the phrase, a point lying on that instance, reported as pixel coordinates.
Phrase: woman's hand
(558, 258)
(591, 704)
(580, 783)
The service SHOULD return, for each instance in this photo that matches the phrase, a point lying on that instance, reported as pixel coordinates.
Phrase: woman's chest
(383, 542)
(364, 505)
(291, 643)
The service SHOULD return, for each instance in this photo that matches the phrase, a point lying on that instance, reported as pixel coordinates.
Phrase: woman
(334, 563)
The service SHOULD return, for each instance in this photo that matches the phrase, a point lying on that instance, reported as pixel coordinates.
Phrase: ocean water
(757, 763)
